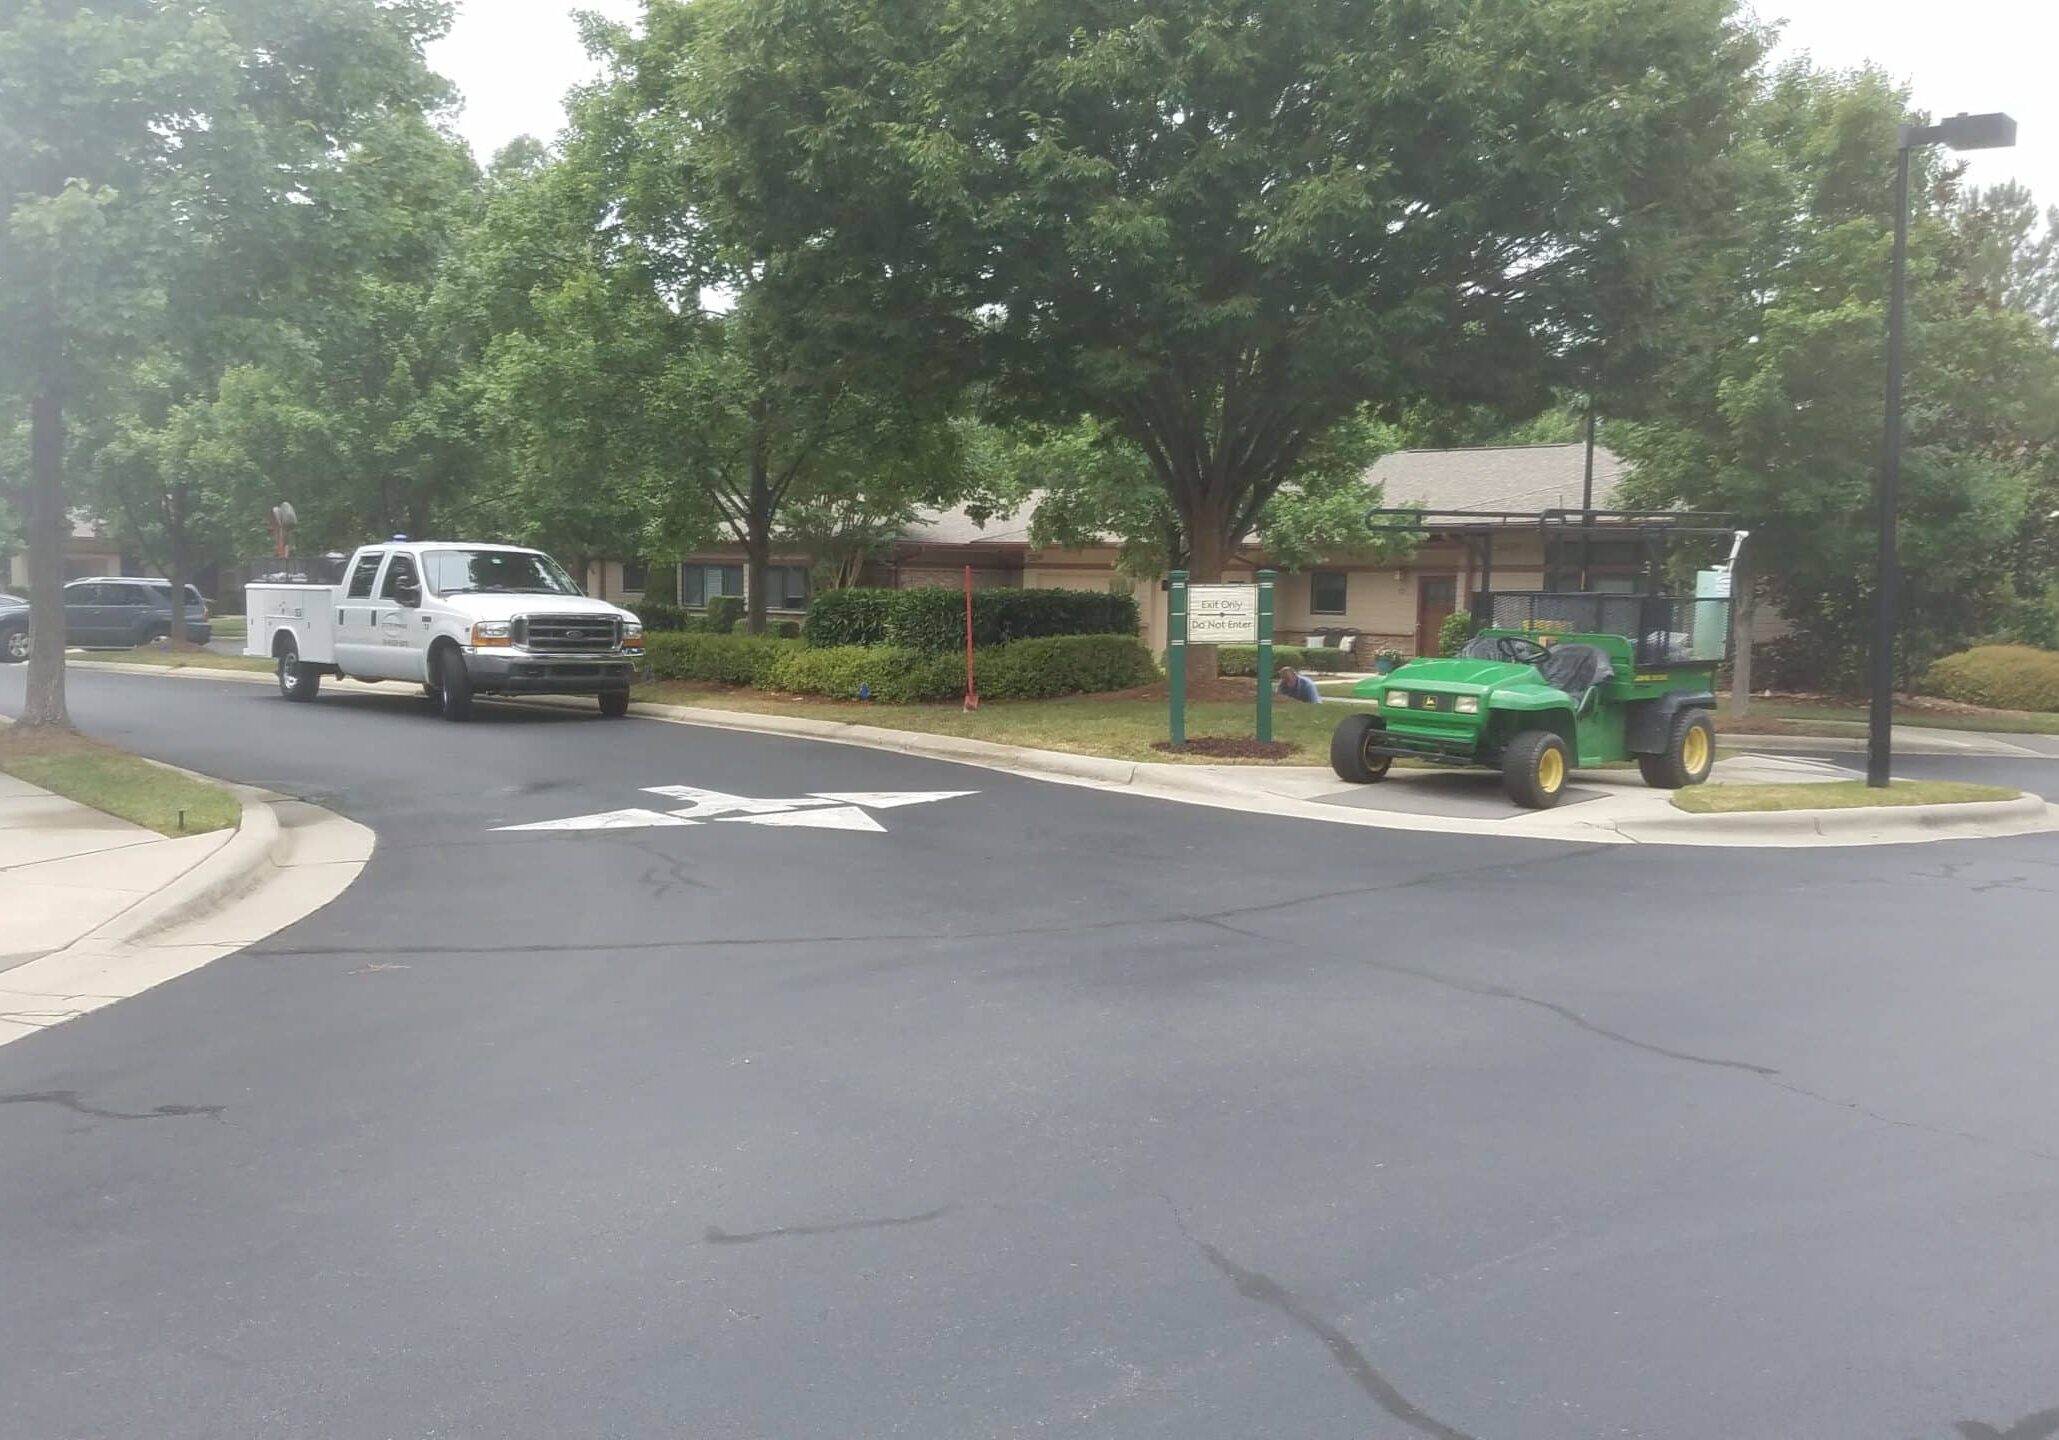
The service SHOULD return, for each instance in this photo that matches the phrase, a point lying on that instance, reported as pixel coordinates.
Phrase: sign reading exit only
(1222, 614)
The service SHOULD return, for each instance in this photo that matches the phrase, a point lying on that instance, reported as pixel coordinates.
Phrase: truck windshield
(495, 572)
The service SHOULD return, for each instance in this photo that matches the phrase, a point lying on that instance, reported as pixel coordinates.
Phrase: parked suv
(123, 613)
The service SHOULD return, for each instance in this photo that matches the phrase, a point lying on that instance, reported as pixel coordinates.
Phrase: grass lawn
(172, 659)
(1121, 727)
(1840, 719)
(1836, 795)
(230, 627)
(117, 782)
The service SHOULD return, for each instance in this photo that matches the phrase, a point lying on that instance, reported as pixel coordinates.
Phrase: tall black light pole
(1960, 132)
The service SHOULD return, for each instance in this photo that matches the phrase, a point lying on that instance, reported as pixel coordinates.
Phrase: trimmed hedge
(658, 616)
(849, 617)
(724, 611)
(1021, 670)
(718, 659)
(931, 618)
(869, 672)
(1065, 665)
(2003, 677)
(1318, 660)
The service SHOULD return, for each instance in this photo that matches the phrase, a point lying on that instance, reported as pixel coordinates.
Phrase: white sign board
(1222, 614)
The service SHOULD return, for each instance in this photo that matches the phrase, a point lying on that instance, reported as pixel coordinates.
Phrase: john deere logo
(1429, 702)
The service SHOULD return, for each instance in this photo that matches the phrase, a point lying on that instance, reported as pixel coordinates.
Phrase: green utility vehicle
(1553, 681)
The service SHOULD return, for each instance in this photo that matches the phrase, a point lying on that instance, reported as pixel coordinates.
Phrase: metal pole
(1265, 656)
(1587, 506)
(1880, 721)
(1176, 655)
(971, 675)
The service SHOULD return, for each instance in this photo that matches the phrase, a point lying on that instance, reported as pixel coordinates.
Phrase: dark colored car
(122, 614)
(14, 629)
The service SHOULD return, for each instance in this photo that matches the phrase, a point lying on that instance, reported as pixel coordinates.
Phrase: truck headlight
(1468, 705)
(1398, 699)
(489, 634)
(632, 634)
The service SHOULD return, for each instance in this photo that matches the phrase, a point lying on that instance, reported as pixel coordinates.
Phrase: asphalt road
(1040, 1111)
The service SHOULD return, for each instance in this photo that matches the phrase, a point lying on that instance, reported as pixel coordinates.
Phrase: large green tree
(1779, 419)
(160, 154)
(1224, 226)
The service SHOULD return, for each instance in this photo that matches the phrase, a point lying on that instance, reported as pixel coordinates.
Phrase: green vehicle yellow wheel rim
(1551, 771)
(1694, 750)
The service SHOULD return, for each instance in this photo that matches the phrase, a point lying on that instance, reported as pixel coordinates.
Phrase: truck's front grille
(569, 634)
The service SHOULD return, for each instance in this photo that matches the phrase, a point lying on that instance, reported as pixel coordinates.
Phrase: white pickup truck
(457, 619)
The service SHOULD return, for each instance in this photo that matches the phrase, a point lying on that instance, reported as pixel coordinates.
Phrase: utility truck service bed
(458, 619)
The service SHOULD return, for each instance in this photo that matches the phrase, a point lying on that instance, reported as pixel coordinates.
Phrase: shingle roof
(1525, 478)
(1500, 477)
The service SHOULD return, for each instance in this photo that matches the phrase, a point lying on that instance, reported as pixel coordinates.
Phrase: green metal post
(1265, 656)
(1176, 653)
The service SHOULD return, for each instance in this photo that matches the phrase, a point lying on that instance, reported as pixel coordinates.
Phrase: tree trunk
(757, 559)
(176, 573)
(1209, 546)
(49, 527)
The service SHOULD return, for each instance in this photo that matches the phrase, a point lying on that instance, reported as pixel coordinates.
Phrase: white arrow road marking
(823, 810)
(840, 817)
(609, 820)
(891, 799)
(709, 803)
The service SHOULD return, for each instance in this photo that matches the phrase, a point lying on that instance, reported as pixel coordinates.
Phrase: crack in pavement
(1770, 1074)
(891, 1222)
(1255, 1285)
(69, 1100)
(1441, 877)
(1564, 1012)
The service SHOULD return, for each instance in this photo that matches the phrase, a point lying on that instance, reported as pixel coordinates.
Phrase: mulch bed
(1222, 748)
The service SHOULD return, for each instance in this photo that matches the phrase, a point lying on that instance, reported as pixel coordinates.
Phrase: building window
(636, 575)
(1326, 592)
(786, 587)
(698, 584)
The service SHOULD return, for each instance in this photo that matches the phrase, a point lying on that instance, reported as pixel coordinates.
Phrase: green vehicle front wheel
(1534, 769)
(1350, 751)
(1689, 755)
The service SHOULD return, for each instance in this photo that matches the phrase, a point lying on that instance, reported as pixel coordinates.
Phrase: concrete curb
(1860, 825)
(214, 882)
(1886, 825)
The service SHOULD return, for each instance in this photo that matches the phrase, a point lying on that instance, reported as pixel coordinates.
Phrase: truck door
(357, 617)
(402, 641)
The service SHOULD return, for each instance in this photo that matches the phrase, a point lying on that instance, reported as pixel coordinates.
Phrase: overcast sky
(514, 60)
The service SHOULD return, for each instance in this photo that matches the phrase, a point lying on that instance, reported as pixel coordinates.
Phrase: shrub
(875, 672)
(718, 659)
(1065, 665)
(932, 618)
(661, 584)
(1243, 659)
(2005, 677)
(788, 629)
(723, 613)
(1325, 660)
(659, 616)
(849, 617)
(1453, 634)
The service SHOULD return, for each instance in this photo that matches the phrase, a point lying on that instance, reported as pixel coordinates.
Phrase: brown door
(1436, 599)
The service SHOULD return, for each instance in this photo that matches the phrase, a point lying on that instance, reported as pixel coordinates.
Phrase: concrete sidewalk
(66, 870)
(94, 909)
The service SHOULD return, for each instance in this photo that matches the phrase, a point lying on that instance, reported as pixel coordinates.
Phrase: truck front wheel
(453, 686)
(1534, 769)
(1351, 751)
(1689, 755)
(614, 704)
(297, 681)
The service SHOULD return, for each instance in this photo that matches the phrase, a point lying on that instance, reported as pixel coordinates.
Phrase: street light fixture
(1958, 132)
